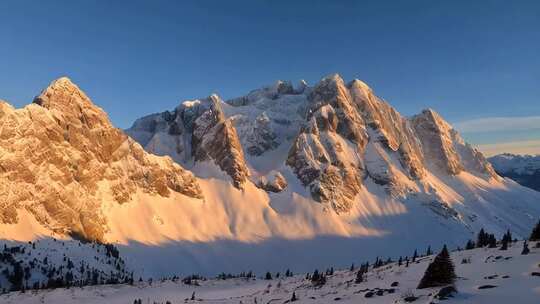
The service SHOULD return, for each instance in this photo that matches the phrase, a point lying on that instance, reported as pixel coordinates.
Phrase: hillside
(484, 276)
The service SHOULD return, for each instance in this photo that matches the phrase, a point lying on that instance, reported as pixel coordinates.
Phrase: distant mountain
(252, 183)
(524, 169)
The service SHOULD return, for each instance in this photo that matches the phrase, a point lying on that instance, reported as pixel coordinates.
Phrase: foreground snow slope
(508, 271)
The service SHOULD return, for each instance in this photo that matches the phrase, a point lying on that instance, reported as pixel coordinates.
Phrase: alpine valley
(287, 176)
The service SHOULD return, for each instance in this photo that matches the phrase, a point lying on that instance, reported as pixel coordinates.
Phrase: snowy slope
(46, 262)
(509, 272)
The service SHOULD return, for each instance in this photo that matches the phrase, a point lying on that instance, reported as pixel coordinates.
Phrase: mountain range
(524, 169)
(257, 181)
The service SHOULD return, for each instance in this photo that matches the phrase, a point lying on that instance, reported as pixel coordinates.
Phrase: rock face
(351, 135)
(268, 117)
(524, 169)
(60, 155)
(195, 131)
(445, 148)
(389, 128)
(326, 154)
(339, 137)
(275, 182)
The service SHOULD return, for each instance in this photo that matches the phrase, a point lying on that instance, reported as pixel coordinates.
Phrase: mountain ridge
(524, 169)
(281, 164)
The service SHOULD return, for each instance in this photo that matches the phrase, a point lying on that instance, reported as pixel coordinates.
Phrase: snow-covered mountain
(252, 183)
(524, 169)
(62, 163)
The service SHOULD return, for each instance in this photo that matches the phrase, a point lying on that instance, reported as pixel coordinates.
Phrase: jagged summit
(61, 156)
(196, 131)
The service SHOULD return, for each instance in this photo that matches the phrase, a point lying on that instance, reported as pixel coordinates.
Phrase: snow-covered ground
(49, 262)
(508, 271)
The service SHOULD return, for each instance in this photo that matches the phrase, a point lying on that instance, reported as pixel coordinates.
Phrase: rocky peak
(332, 91)
(436, 136)
(389, 127)
(61, 156)
(215, 138)
(445, 148)
(197, 130)
(321, 153)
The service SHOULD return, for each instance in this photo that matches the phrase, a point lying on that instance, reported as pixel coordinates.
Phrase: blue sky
(475, 62)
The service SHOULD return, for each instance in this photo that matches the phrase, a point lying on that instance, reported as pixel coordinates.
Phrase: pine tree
(508, 236)
(352, 267)
(470, 245)
(482, 239)
(268, 276)
(414, 256)
(440, 272)
(504, 242)
(293, 298)
(525, 248)
(535, 234)
(428, 251)
(316, 276)
(359, 276)
(400, 261)
(492, 241)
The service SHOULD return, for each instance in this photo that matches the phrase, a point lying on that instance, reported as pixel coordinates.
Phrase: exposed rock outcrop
(195, 131)
(390, 128)
(274, 182)
(444, 147)
(61, 155)
(326, 154)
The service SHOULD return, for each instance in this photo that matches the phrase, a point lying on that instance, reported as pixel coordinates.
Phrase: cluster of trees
(18, 267)
(288, 273)
(364, 268)
(485, 239)
(317, 279)
(441, 271)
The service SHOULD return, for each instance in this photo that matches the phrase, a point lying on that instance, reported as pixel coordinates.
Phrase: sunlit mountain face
(251, 183)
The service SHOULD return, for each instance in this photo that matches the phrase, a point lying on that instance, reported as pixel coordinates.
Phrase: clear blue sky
(465, 59)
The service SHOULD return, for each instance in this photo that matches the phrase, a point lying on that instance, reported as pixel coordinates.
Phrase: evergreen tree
(352, 267)
(492, 241)
(268, 276)
(428, 251)
(415, 255)
(440, 272)
(293, 298)
(318, 279)
(535, 234)
(359, 276)
(400, 261)
(525, 248)
(482, 239)
(508, 236)
(470, 245)
(504, 242)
